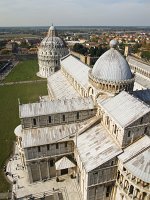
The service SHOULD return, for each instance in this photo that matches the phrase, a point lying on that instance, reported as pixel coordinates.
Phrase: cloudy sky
(74, 12)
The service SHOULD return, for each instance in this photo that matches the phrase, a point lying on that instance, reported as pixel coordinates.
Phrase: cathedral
(92, 127)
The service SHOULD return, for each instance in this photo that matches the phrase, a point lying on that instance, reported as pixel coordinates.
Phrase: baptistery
(50, 51)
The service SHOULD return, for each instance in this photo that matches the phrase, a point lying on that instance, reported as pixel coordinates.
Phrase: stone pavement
(67, 187)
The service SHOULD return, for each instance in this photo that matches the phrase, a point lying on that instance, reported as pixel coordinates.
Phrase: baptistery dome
(50, 51)
(112, 69)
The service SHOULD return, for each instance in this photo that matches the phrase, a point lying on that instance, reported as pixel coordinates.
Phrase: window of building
(124, 169)
(51, 163)
(49, 119)
(145, 130)
(63, 118)
(131, 189)
(118, 175)
(112, 163)
(34, 122)
(141, 120)
(107, 191)
(115, 129)
(48, 147)
(39, 149)
(57, 146)
(77, 115)
(95, 173)
(129, 133)
(65, 144)
(107, 120)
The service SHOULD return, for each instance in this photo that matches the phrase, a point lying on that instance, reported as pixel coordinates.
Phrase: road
(22, 82)
(8, 70)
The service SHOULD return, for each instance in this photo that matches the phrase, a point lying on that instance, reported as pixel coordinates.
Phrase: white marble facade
(50, 51)
(96, 124)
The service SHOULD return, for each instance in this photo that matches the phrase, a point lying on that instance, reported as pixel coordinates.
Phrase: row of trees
(93, 51)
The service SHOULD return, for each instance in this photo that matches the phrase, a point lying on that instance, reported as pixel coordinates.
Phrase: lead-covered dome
(112, 66)
(111, 72)
(50, 51)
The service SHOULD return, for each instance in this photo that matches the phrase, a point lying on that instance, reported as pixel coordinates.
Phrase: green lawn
(9, 117)
(5, 36)
(24, 71)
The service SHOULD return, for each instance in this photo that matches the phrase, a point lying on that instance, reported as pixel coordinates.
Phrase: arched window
(49, 119)
(145, 130)
(34, 121)
(64, 118)
(52, 163)
(108, 189)
(115, 129)
(129, 133)
(77, 115)
(65, 144)
(141, 121)
(118, 175)
(48, 147)
(39, 149)
(131, 189)
(112, 163)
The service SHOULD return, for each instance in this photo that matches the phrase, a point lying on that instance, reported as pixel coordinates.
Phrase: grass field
(6, 36)
(24, 71)
(9, 117)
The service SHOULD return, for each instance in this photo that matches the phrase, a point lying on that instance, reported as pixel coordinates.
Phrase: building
(51, 49)
(142, 73)
(12, 47)
(92, 127)
(88, 60)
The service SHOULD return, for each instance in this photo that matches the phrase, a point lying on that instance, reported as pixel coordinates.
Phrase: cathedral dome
(111, 72)
(50, 51)
(112, 66)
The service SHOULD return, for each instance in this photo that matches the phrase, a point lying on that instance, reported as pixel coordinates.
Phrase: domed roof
(112, 66)
(52, 40)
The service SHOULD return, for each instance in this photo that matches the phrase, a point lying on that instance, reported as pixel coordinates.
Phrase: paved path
(68, 187)
(8, 70)
(22, 82)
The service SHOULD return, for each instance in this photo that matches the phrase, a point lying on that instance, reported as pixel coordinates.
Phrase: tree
(97, 51)
(92, 51)
(79, 48)
(5, 52)
(136, 47)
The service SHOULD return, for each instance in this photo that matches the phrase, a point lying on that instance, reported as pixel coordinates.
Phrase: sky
(74, 12)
